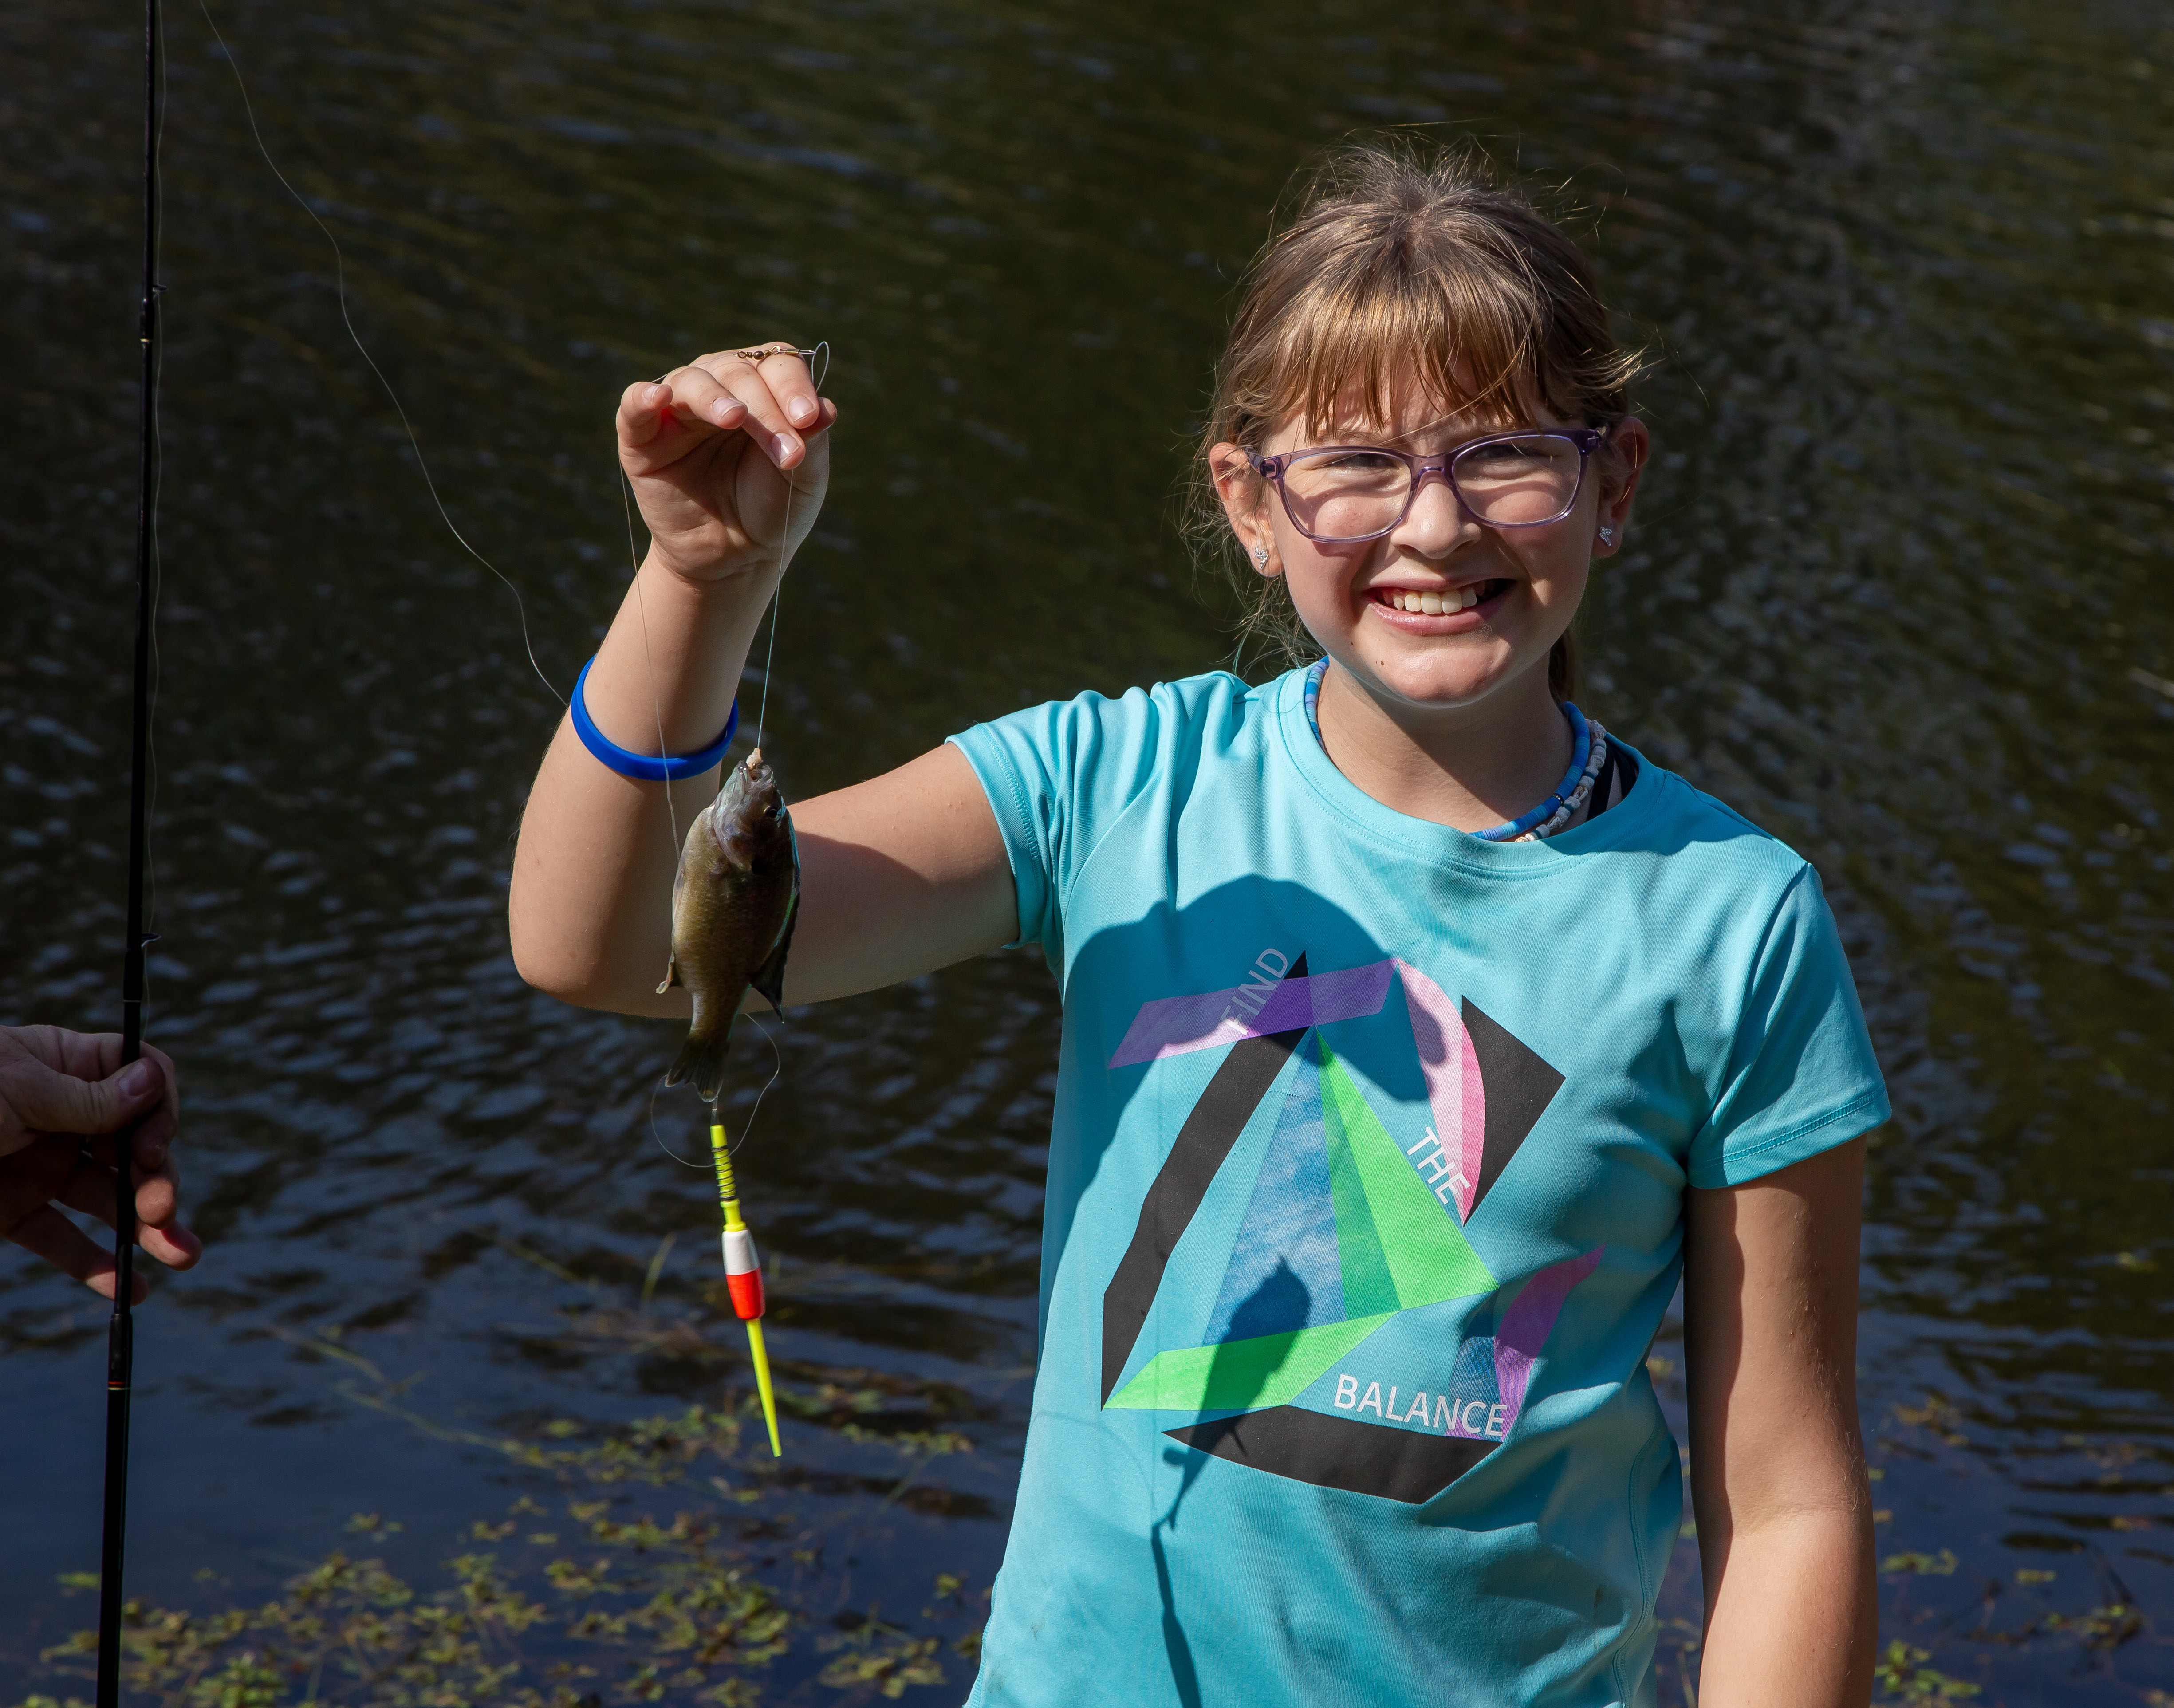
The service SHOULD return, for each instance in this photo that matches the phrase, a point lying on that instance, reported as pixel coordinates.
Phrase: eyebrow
(1523, 424)
(1385, 439)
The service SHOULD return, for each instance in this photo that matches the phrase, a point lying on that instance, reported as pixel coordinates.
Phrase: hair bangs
(1358, 350)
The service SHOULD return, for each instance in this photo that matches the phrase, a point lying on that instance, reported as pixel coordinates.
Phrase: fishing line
(654, 1091)
(784, 545)
(656, 701)
(778, 1057)
(339, 278)
(777, 609)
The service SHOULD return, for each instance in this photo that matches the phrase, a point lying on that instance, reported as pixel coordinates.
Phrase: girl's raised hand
(716, 449)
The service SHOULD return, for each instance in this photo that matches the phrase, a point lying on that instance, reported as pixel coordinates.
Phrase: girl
(1418, 1032)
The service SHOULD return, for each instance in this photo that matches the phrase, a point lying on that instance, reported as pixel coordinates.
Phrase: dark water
(1898, 590)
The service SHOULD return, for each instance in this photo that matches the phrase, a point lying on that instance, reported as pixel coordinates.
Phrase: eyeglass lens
(1356, 494)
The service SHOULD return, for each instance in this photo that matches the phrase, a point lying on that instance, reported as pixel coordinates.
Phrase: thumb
(48, 1101)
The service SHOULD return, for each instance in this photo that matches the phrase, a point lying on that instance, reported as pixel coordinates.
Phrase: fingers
(158, 1228)
(786, 373)
(50, 1173)
(93, 1191)
(665, 416)
(154, 1134)
(772, 399)
(34, 1098)
(32, 1181)
(49, 1234)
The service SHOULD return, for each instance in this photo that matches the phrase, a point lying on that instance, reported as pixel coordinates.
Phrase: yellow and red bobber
(743, 1278)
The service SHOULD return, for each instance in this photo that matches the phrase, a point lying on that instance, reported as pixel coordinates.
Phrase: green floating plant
(1902, 1676)
(1940, 1565)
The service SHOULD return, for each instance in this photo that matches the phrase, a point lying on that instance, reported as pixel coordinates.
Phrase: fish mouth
(749, 791)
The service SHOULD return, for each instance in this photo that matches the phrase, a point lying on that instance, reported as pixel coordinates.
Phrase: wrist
(721, 585)
(639, 764)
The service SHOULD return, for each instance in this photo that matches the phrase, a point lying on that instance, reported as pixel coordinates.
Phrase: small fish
(734, 900)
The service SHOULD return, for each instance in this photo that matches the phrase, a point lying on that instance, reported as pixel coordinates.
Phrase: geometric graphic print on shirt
(1346, 1233)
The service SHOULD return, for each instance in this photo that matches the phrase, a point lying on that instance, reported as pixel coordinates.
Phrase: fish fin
(702, 1058)
(671, 974)
(769, 979)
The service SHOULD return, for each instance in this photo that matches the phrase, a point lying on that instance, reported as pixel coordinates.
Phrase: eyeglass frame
(1587, 439)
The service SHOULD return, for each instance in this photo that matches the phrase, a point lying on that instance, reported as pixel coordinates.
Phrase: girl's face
(1503, 596)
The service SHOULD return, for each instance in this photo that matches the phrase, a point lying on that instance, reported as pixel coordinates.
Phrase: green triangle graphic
(1243, 1375)
(1369, 1286)
(1401, 1248)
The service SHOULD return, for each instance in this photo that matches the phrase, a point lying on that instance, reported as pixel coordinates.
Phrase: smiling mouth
(1446, 604)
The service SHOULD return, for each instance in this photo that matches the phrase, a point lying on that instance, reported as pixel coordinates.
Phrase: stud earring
(1608, 535)
(1260, 557)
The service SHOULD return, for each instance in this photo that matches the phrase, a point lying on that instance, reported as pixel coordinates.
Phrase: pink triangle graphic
(1455, 1094)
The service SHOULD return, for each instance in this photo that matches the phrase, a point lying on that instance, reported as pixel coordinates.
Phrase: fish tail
(702, 1058)
(703, 1061)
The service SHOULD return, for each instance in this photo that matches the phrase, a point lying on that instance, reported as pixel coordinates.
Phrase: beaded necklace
(1589, 753)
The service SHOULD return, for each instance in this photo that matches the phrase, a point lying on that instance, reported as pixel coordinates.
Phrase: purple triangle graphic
(1527, 1324)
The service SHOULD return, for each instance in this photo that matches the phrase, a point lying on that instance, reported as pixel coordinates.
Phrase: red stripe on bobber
(747, 1294)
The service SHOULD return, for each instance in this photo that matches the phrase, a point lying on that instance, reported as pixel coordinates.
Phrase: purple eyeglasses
(1341, 494)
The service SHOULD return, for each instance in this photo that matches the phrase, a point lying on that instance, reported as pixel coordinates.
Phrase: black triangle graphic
(1197, 1152)
(1333, 1452)
(1519, 1087)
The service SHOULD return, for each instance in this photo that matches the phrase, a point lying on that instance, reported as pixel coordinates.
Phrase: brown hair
(1398, 261)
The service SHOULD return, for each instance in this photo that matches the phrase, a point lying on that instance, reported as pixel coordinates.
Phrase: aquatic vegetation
(1902, 1676)
(575, 1606)
(1940, 1565)
(885, 1656)
(635, 1612)
(583, 1609)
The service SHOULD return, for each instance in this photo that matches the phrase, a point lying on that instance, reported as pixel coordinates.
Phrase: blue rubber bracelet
(646, 767)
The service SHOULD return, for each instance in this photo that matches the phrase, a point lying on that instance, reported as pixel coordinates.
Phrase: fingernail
(780, 447)
(137, 1078)
(723, 407)
(803, 409)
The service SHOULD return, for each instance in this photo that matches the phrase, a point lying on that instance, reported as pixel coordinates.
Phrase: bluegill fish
(734, 900)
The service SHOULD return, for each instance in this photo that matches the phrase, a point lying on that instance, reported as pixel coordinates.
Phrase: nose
(1437, 521)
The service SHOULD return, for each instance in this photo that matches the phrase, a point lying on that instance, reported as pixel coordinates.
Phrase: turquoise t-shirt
(1366, 1198)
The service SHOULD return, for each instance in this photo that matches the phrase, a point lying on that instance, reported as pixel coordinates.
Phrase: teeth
(1435, 604)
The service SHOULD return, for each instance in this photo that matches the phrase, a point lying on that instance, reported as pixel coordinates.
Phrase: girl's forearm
(590, 909)
(675, 652)
(1794, 1621)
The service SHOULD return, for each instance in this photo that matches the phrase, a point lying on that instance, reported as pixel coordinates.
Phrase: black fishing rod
(120, 1348)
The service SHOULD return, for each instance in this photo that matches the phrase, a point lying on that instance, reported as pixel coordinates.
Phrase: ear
(1621, 464)
(1244, 498)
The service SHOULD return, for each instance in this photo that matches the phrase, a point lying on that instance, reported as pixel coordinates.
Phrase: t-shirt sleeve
(1802, 1077)
(1056, 776)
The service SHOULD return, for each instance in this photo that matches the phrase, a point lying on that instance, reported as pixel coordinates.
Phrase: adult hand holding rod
(66, 1103)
